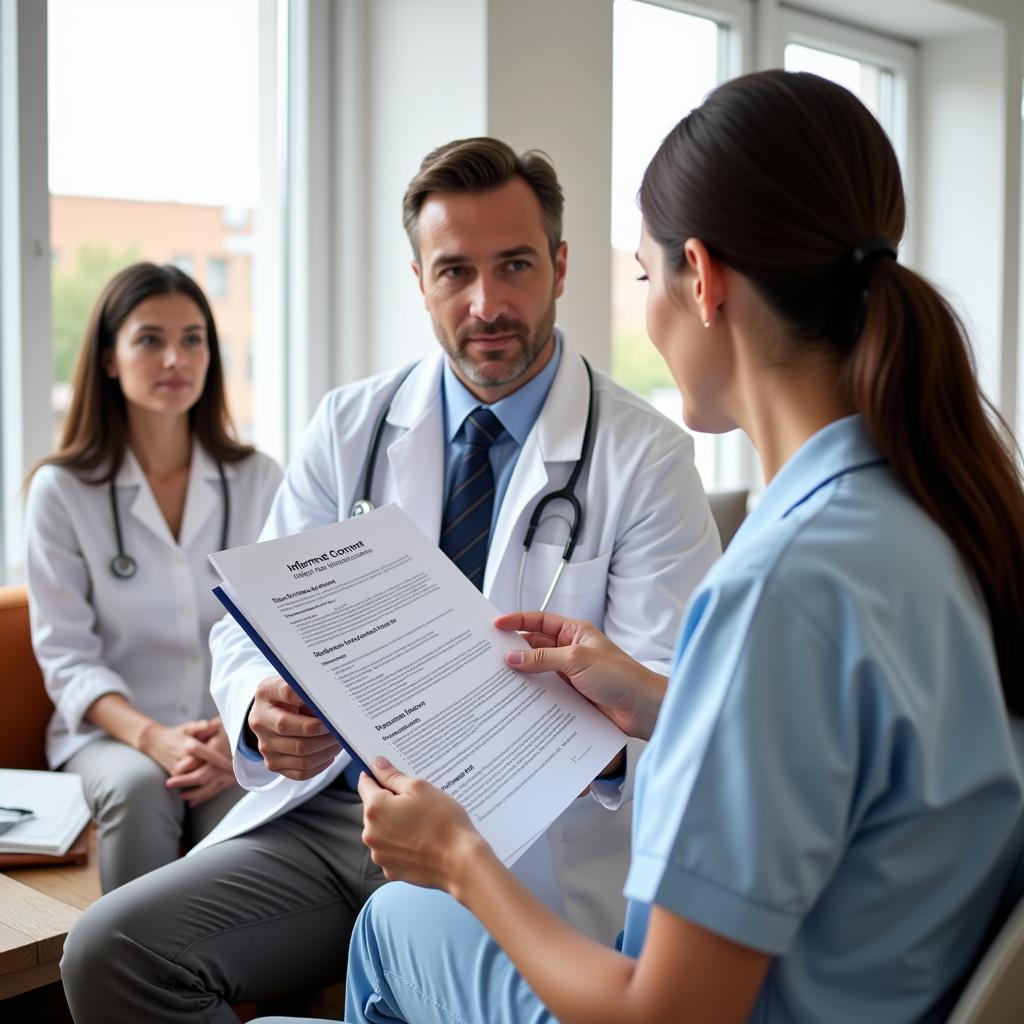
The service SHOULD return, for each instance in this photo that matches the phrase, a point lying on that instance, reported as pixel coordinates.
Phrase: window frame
(292, 352)
(887, 52)
(735, 30)
(26, 370)
(735, 462)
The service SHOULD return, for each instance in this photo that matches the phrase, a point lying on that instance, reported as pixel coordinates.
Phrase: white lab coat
(647, 539)
(144, 637)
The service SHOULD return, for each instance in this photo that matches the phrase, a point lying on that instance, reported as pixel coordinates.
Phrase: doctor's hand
(206, 768)
(415, 832)
(624, 690)
(293, 741)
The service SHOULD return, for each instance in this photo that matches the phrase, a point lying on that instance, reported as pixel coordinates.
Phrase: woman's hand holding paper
(415, 832)
(623, 689)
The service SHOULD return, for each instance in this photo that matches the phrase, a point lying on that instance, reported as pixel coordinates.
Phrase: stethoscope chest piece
(123, 566)
(361, 507)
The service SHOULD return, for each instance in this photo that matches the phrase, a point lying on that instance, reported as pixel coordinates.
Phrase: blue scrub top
(834, 778)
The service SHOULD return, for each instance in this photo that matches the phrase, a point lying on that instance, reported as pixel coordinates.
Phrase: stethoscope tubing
(124, 566)
(563, 562)
(363, 504)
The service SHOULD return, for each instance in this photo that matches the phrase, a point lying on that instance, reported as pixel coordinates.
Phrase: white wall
(961, 184)
(552, 90)
(418, 75)
(420, 82)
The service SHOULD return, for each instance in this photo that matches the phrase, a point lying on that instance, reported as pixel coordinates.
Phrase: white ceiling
(906, 19)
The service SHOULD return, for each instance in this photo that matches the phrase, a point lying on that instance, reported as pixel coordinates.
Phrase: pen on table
(12, 817)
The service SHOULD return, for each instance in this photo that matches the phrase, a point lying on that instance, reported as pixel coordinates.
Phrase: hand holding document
(398, 652)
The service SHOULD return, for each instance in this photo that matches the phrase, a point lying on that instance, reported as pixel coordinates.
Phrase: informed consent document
(397, 651)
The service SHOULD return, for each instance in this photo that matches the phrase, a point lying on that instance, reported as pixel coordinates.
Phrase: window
(875, 67)
(154, 153)
(216, 278)
(872, 83)
(664, 62)
(1018, 421)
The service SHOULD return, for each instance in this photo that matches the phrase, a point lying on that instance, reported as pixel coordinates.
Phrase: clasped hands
(195, 755)
(414, 831)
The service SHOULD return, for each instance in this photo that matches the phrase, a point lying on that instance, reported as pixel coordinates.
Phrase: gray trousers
(245, 920)
(141, 822)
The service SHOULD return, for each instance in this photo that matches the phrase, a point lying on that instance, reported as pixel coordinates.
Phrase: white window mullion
(310, 249)
(269, 337)
(26, 370)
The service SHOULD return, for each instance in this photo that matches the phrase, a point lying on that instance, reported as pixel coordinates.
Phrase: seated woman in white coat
(149, 479)
(831, 806)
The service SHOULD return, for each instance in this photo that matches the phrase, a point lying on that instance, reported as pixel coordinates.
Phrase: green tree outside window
(636, 363)
(76, 286)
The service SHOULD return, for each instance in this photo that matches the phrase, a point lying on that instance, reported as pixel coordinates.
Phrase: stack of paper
(58, 807)
(397, 651)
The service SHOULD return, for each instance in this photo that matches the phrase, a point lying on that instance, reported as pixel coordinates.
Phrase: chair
(995, 992)
(729, 509)
(27, 709)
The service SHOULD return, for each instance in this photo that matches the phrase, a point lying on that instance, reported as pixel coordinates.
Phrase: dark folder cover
(282, 669)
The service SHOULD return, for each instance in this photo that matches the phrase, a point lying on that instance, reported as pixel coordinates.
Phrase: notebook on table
(41, 813)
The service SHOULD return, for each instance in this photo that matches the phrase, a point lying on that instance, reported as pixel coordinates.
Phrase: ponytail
(788, 179)
(910, 374)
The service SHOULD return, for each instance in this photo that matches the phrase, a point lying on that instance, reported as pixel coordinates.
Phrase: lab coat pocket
(581, 589)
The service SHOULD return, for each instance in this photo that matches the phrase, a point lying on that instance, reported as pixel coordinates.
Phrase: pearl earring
(707, 323)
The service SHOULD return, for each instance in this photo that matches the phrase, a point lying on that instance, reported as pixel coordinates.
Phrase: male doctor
(473, 438)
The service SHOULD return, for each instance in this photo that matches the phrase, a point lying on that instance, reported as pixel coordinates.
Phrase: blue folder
(282, 670)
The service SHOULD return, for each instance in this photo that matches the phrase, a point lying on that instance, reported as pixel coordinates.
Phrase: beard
(500, 366)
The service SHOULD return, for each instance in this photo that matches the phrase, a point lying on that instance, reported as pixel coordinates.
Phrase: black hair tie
(852, 281)
(871, 249)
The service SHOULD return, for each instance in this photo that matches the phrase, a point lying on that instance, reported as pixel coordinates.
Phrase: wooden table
(77, 885)
(37, 907)
(33, 927)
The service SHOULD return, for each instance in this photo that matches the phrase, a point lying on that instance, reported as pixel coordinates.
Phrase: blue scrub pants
(418, 956)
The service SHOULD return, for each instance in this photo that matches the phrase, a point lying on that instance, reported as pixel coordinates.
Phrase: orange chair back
(25, 709)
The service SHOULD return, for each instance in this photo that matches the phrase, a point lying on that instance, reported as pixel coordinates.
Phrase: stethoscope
(123, 566)
(567, 493)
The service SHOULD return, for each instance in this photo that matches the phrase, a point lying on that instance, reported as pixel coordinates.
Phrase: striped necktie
(466, 525)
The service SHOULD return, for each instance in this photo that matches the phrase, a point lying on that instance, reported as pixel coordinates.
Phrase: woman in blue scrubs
(831, 807)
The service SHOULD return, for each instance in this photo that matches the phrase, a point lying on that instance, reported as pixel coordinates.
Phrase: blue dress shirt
(517, 412)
